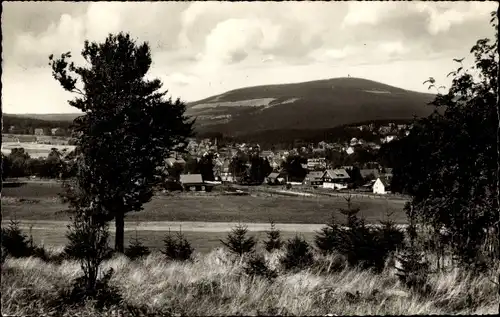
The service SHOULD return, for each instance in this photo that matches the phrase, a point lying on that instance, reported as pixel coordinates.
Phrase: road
(188, 226)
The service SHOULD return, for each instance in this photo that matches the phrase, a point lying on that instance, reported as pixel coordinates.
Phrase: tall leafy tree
(128, 126)
(293, 166)
(450, 165)
(259, 168)
(19, 160)
(237, 166)
(206, 167)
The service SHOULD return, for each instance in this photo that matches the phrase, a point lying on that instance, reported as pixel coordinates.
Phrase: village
(317, 171)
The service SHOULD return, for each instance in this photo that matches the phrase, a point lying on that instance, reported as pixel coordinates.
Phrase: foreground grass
(214, 284)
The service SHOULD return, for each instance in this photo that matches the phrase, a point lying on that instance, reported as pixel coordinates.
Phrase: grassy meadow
(215, 284)
(39, 201)
(37, 204)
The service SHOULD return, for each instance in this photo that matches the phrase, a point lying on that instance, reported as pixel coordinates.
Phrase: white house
(349, 150)
(381, 186)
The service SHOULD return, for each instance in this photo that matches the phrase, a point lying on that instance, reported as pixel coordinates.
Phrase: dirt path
(192, 226)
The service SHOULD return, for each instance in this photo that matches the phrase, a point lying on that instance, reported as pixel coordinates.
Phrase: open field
(37, 204)
(38, 201)
(215, 285)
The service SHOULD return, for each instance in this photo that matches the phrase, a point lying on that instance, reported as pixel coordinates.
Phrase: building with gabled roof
(381, 186)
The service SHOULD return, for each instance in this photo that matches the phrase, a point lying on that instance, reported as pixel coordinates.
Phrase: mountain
(47, 116)
(313, 105)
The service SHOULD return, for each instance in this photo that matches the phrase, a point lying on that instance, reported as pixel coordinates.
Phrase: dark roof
(191, 179)
(314, 175)
(273, 175)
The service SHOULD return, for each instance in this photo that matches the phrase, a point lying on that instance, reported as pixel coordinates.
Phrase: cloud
(446, 15)
(203, 48)
(181, 79)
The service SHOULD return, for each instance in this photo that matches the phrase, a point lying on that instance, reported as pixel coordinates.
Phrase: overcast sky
(202, 49)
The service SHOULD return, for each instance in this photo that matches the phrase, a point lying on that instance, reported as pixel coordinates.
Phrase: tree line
(28, 125)
(56, 165)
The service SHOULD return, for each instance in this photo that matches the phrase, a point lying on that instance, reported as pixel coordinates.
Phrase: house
(335, 178)
(226, 175)
(381, 186)
(192, 182)
(267, 154)
(349, 150)
(275, 163)
(316, 163)
(172, 160)
(314, 178)
(388, 138)
(369, 173)
(54, 131)
(275, 178)
(39, 131)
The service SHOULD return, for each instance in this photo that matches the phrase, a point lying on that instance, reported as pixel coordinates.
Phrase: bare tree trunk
(120, 230)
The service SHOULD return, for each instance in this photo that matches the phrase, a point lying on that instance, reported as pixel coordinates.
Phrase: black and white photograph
(260, 158)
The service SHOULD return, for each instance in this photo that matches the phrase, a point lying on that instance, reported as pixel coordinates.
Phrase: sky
(201, 49)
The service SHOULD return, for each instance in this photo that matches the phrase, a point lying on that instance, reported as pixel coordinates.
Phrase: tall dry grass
(215, 284)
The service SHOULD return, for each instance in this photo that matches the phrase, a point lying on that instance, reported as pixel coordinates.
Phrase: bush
(256, 265)
(391, 237)
(414, 270)
(298, 254)
(328, 240)
(361, 246)
(274, 241)
(14, 242)
(136, 249)
(103, 294)
(238, 243)
(177, 248)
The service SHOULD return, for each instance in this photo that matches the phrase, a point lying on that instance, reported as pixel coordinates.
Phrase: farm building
(335, 179)
(381, 186)
(316, 163)
(192, 182)
(267, 154)
(314, 178)
(172, 160)
(226, 176)
(275, 178)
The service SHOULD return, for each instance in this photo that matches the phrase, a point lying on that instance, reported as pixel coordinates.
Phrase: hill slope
(307, 106)
(47, 116)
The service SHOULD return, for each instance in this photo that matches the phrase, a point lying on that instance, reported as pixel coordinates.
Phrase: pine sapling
(136, 249)
(274, 241)
(298, 254)
(328, 239)
(177, 248)
(238, 243)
